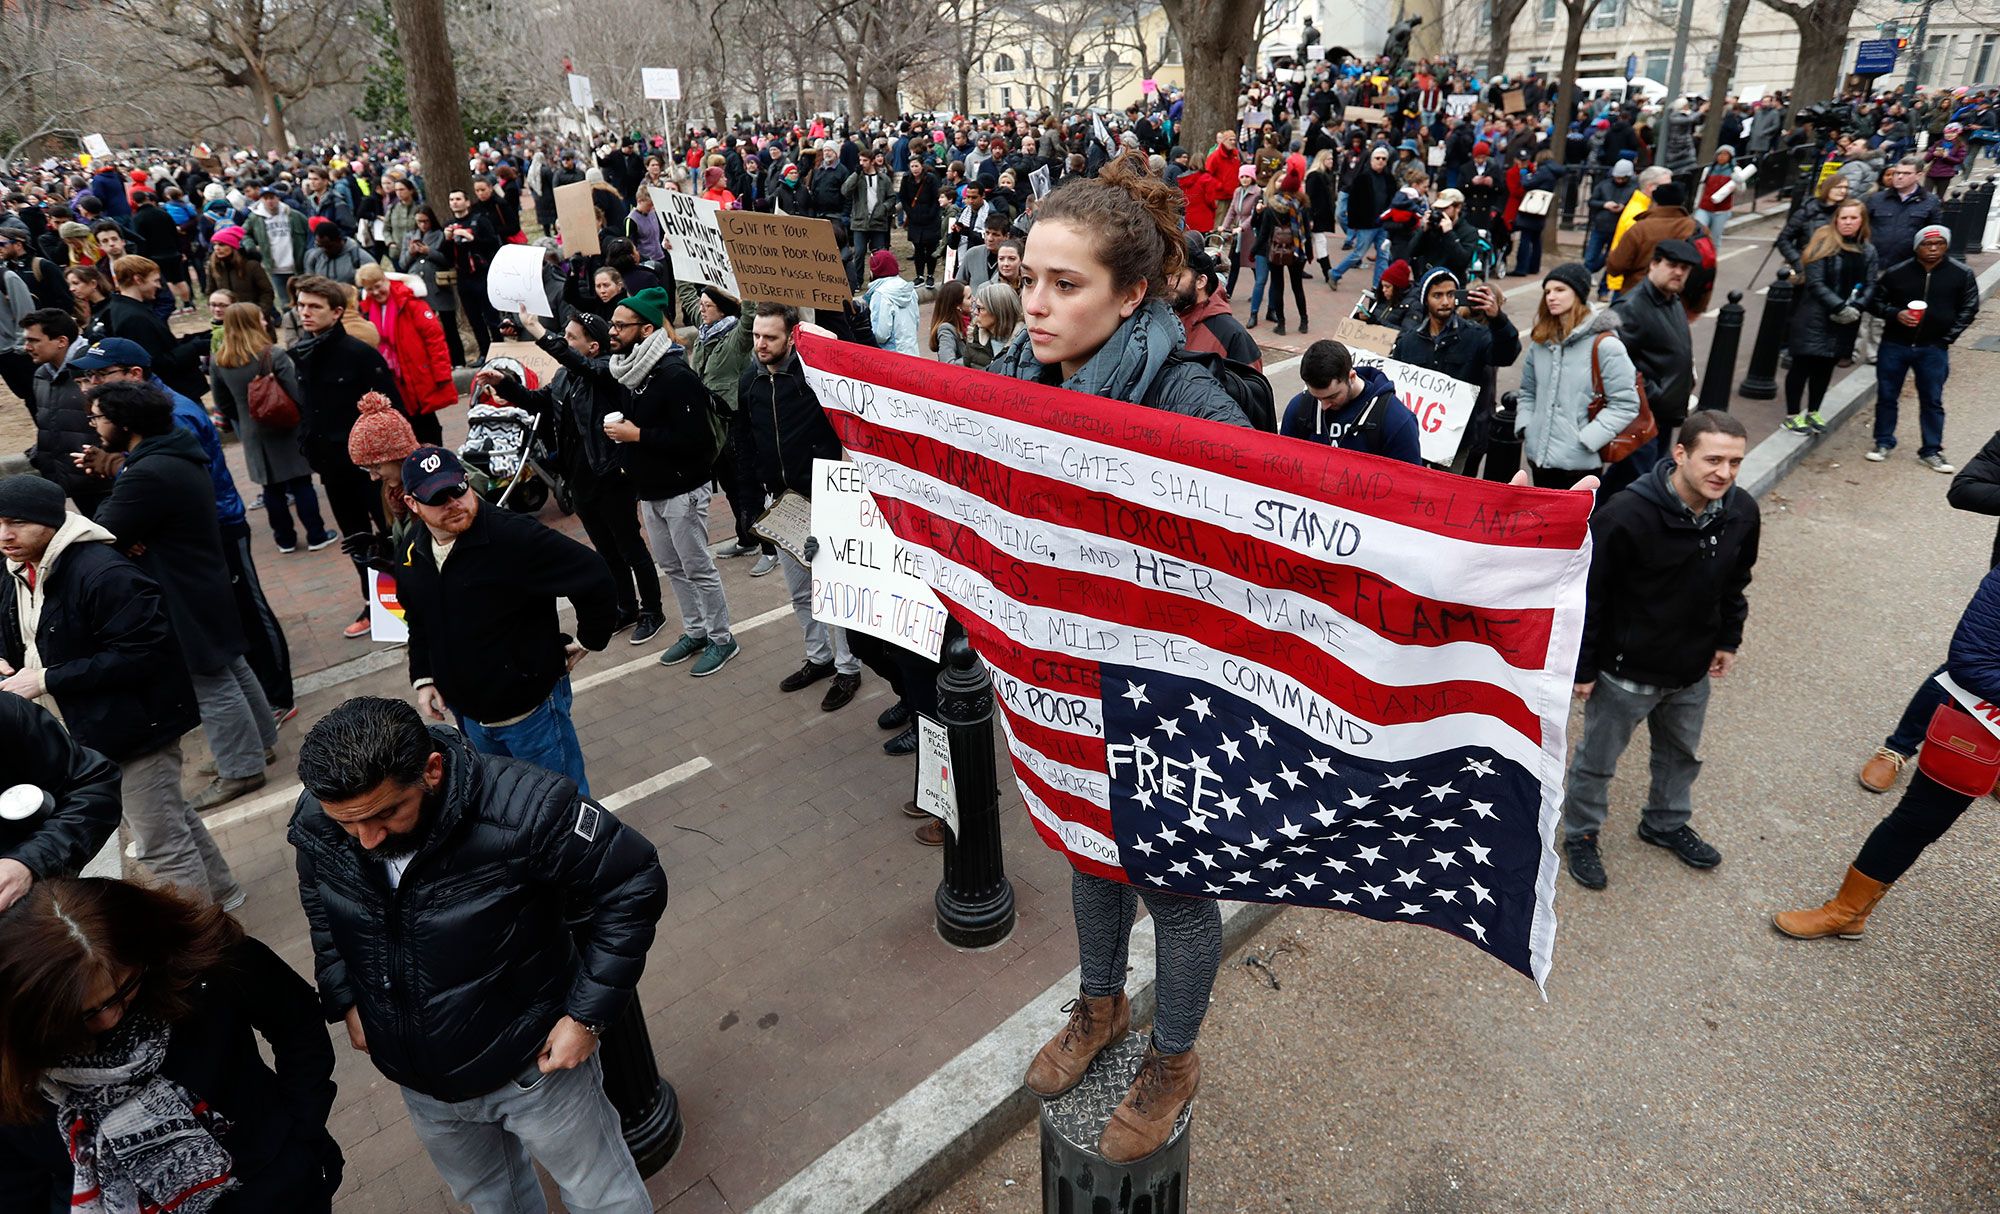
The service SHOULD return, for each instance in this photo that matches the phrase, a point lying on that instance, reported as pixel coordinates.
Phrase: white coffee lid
(21, 802)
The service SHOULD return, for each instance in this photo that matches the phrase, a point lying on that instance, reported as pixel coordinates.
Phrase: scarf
(138, 1141)
(1123, 367)
(632, 368)
(721, 328)
(384, 319)
(307, 342)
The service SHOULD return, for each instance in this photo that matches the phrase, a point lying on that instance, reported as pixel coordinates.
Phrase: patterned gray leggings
(1188, 933)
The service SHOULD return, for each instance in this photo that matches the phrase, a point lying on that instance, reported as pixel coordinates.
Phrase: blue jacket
(1974, 660)
(194, 419)
(1390, 430)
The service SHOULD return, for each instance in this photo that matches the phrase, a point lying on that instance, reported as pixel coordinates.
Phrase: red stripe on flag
(1521, 637)
(1066, 805)
(1089, 596)
(1453, 507)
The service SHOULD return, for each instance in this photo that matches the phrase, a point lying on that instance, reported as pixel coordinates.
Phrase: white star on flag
(1136, 693)
(1198, 705)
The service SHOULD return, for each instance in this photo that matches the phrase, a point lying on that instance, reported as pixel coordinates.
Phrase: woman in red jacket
(414, 347)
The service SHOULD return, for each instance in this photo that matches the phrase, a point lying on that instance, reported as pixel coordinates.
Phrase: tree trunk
(964, 85)
(851, 70)
(1500, 39)
(1822, 47)
(1579, 17)
(1216, 37)
(273, 107)
(1725, 71)
(431, 82)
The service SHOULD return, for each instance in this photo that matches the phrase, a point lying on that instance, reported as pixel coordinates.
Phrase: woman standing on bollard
(1096, 272)
(1840, 270)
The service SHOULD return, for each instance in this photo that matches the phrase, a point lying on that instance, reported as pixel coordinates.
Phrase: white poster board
(937, 792)
(514, 283)
(661, 83)
(97, 147)
(1443, 405)
(698, 252)
(863, 578)
(1460, 104)
(1039, 181)
(579, 91)
(385, 611)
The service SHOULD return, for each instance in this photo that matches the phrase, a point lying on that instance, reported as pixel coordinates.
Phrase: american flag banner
(1241, 666)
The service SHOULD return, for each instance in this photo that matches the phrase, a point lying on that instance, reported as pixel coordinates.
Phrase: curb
(1781, 451)
(913, 1150)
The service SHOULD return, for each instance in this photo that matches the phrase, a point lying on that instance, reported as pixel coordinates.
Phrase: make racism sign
(1443, 405)
(1241, 666)
(786, 259)
(698, 254)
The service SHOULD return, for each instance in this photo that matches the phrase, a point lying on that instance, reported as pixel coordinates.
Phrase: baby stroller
(505, 460)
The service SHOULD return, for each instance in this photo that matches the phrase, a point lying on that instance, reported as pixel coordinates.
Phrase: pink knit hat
(381, 436)
(231, 236)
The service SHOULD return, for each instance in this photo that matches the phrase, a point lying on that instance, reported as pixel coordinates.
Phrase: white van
(1639, 88)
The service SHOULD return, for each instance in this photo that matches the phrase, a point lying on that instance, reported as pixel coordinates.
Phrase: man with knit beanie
(668, 439)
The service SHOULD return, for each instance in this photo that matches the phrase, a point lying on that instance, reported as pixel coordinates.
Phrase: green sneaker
(1798, 424)
(1817, 423)
(712, 658)
(683, 649)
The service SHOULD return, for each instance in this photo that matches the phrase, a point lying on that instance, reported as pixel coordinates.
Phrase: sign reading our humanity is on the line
(698, 253)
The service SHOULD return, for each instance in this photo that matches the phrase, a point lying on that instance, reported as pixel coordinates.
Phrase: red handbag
(1959, 753)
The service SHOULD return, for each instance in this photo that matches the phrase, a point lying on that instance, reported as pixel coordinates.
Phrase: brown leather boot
(1093, 1024)
(1144, 1120)
(1845, 916)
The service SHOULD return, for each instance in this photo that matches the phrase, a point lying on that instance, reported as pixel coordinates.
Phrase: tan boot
(1144, 1120)
(1845, 916)
(1093, 1024)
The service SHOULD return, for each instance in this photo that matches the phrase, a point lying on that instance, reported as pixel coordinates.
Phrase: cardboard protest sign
(864, 578)
(1366, 114)
(1514, 101)
(97, 147)
(1360, 335)
(576, 218)
(786, 259)
(529, 355)
(514, 284)
(661, 83)
(690, 224)
(1209, 638)
(1443, 405)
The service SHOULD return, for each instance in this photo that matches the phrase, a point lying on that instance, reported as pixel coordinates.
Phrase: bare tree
(1579, 12)
(1725, 71)
(1217, 37)
(1501, 38)
(432, 84)
(1062, 41)
(1822, 45)
(1129, 19)
(51, 75)
(973, 29)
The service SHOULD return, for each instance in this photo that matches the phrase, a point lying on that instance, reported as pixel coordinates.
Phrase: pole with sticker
(958, 781)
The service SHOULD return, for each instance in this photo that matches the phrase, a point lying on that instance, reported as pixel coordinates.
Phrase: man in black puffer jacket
(83, 785)
(477, 923)
(1671, 557)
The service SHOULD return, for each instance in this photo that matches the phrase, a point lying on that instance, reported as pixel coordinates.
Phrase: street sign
(1631, 66)
(1875, 57)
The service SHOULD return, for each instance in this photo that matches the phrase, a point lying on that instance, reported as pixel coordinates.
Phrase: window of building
(1547, 15)
(1003, 63)
(1669, 8)
(1006, 98)
(1980, 63)
(1655, 65)
(1609, 15)
(980, 99)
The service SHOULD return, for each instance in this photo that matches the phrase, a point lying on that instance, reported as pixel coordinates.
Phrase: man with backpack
(1203, 308)
(1353, 408)
(668, 437)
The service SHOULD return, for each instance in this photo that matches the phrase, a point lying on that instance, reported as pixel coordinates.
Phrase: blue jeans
(1597, 251)
(1528, 251)
(1261, 269)
(1365, 239)
(546, 737)
(1933, 366)
(1916, 720)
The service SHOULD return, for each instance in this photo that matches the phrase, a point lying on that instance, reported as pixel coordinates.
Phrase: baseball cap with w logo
(433, 475)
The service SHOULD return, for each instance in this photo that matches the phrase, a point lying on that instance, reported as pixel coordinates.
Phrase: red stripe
(186, 1193)
(1519, 637)
(1042, 669)
(1454, 507)
(1066, 805)
(1087, 596)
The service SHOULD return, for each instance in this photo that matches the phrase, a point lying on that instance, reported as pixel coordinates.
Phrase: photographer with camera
(1446, 241)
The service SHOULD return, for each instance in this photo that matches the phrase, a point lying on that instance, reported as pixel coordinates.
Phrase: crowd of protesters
(344, 294)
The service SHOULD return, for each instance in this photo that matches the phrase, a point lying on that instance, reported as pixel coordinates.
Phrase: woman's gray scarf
(707, 333)
(137, 1139)
(632, 367)
(1123, 367)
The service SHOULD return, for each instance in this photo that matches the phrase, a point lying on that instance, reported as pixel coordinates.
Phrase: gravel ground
(1688, 1058)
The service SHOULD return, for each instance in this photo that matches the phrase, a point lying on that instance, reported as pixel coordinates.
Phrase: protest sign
(1460, 104)
(1227, 662)
(1365, 114)
(579, 91)
(698, 253)
(1443, 405)
(576, 218)
(661, 83)
(1435, 156)
(385, 610)
(1360, 335)
(786, 259)
(95, 145)
(864, 579)
(1039, 181)
(529, 355)
(1513, 101)
(514, 283)
(1148, 85)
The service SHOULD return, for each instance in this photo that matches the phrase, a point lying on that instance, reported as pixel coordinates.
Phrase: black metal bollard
(1720, 374)
(1760, 382)
(1954, 219)
(1978, 211)
(1076, 1179)
(648, 1111)
(1503, 446)
(975, 901)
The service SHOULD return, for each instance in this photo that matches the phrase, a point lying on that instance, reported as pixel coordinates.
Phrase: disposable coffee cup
(23, 801)
(613, 416)
(1918, 306)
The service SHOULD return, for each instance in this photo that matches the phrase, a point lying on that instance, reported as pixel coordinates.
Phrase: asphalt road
(1688, 1058)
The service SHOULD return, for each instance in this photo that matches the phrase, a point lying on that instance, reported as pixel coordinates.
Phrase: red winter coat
(413, 344)
(1199, 189)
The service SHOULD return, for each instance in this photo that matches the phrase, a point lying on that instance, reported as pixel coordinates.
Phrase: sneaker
(315, 545)
(683, 649)
(1584, 863)
(625, 620)
(805, 676)
(713, 657)
(288, 549)
(282, 715)
(739, 548)
(256, 505)
(1935, 461)
(764, 565)
(1683, 842)
(207, 767)
(1877, 455)
(904, 743)
(895, 716)
(358, 630)
(1883, 768)
(647, 627)
(1797, 424)
(1817, 423)
(841, 693)
(235, 901)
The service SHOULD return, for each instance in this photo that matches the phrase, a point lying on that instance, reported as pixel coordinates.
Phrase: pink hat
(381, 435)
(231, 236)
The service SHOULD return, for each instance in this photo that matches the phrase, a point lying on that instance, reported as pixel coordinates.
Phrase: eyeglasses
(627, 324)
(119, 998)
(94, 418)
